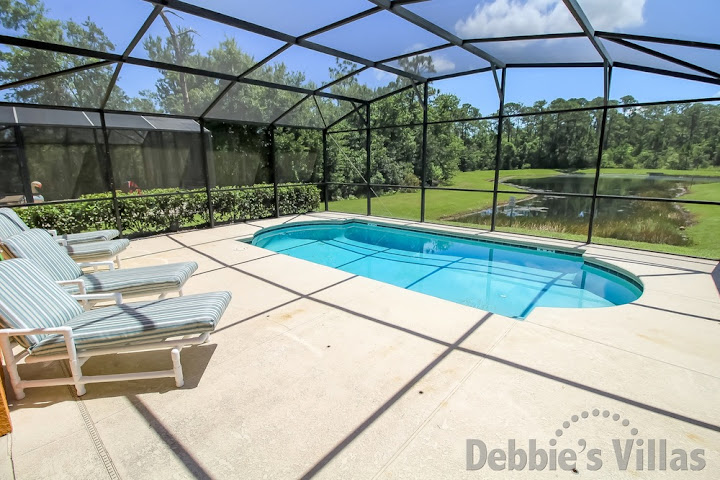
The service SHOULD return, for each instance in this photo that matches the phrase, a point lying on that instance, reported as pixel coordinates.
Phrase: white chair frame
(89, 301)
(76, 358)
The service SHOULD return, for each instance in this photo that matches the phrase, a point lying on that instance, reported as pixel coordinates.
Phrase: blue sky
(383, 35)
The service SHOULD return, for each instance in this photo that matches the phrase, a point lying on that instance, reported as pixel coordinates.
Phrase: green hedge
(172, 210)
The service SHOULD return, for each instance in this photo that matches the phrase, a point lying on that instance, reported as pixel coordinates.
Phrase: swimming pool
(501, 278)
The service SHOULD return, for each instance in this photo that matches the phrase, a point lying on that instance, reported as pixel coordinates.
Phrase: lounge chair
(38, 246)
(50, 325)
(17, 225)
(82, 247)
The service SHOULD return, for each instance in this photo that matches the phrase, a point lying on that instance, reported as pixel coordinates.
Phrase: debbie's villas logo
(626, 451)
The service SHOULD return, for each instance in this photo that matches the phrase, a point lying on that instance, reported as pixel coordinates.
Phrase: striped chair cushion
(139, 281)
(39, 246)
(30, 299)
(85, 237)
(141, 322)
(10, 223)
(88, 252)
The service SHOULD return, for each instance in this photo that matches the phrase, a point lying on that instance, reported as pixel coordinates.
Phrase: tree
(82, 89)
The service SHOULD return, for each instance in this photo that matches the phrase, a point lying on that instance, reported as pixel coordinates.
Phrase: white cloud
(613, 15)
(500, 18)
(516, 17)
(442, 64)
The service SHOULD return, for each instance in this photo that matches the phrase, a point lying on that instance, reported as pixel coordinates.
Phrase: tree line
(679, 137)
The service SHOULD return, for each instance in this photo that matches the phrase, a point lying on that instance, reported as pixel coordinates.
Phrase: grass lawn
(441, 204)
(703, 233)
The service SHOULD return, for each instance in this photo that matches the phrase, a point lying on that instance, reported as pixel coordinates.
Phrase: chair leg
(180, 293)
(76, 372)
(11, 366)
(117, 261)
(177, 367)
(162, 296)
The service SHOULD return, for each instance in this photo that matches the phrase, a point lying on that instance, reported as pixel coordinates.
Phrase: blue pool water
(498, 278)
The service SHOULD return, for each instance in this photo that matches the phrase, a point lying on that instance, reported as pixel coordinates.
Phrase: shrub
(170, 209)
(71, 217)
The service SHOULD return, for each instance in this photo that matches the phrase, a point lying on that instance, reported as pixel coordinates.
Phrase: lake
(655, 222)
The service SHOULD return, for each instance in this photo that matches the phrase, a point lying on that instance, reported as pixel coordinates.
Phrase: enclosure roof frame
(395, 7)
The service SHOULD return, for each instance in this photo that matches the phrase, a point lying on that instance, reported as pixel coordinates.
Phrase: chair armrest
(77, 282)
(52, 232)
(117, 296)
(105, 263)
(65, 331)
(35, 331)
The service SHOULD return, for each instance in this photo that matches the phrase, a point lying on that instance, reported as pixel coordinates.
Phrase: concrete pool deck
(315, 372)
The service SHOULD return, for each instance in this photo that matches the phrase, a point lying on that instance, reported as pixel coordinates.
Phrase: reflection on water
(658, 186)
(655, 222)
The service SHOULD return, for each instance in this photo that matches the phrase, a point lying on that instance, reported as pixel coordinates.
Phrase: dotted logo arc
(584, 415)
